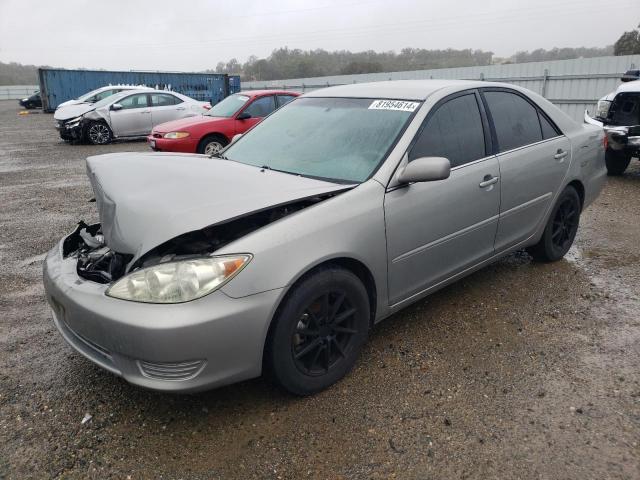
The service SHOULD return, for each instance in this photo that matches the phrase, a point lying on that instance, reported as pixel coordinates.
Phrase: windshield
(339, 139)
(111, 99)
(88, 95)
(228, 107)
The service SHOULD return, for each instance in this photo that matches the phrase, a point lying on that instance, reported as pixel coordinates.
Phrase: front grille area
(171, 371)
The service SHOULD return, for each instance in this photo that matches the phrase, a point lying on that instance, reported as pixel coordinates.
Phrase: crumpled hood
(146, 199)
(72, 111)
(184, 123)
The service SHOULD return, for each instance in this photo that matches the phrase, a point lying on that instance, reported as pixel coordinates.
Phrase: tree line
(295, 63)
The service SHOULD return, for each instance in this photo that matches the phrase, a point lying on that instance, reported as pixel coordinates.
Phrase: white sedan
(129, 114)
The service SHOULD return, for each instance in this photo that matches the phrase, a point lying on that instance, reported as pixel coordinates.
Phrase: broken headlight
(179, 281)
(602, 110)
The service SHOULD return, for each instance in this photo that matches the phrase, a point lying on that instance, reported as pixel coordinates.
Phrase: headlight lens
(180, 281)
(602, 111)
(176, 135)
(74, 121)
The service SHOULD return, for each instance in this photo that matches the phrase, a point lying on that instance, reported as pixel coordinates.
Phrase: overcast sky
(196, 34)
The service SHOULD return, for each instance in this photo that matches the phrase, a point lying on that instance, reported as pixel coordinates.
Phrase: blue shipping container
(59, 85)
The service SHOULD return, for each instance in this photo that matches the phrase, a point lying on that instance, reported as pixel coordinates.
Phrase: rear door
(534, 158)
(437, 229)
(134, 118)
(258, 109)
(166, 107)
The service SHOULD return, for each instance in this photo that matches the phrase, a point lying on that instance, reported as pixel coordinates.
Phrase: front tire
(212, 144)
(98, 133)
(617, 162)
(319, 332)
(561, 228)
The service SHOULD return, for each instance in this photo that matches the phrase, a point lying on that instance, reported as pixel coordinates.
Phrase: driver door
(258, 109)
(134, 119)
(440, 228)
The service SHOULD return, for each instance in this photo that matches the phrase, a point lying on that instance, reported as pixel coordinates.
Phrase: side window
(164, 100)
(134, 101)
(548, 130)
(454, 131)
(284, 99)
(262, 106)
(515, 119)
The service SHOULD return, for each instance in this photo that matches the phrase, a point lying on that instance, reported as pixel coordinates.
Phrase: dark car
(34, 101)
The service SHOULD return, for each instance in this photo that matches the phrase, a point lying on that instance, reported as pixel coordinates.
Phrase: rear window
(548, 130)
(515, 119)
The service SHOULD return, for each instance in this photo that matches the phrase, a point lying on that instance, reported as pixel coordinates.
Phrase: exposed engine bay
(98, 263)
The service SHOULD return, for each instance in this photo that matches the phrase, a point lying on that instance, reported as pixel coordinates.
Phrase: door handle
(148, 111)
(180, 108)
(560, 154)
(488, 181)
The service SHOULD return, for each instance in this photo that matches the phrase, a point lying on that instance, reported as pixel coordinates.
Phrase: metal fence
(15, 92)
(573, 85)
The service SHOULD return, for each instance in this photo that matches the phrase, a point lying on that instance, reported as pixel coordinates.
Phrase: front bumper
(182, 145)
(620, 138)
(198, 345)
(70, 131)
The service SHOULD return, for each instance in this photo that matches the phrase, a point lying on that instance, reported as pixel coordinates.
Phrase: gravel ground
(521, 370)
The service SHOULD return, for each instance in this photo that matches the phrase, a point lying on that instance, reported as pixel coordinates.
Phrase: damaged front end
(95, 261)
(619, 116)
(98, 263)
(71, 130)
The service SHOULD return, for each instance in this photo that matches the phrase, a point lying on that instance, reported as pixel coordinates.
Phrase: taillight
(605, 141)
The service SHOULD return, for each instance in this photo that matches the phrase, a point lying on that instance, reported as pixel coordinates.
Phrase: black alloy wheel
(561, 228)
(324, 333)
(318, 332)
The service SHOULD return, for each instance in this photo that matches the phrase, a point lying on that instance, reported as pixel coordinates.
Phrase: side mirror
(116, 107)
(244, 116)
(236, 137)
(425, 169)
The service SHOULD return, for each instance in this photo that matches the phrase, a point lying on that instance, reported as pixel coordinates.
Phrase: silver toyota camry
(338, 210)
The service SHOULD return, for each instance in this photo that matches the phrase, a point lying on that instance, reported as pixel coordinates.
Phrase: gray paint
(164, 195)
(412, 238)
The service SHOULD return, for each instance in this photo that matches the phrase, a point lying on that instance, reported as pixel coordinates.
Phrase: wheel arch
(579, 186)
(206, 136)
(358, 268)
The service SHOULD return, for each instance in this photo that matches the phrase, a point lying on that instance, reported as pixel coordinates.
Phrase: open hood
(72, 111)
(146, 199)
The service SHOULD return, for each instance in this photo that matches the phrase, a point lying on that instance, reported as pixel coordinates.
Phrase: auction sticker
(399, 105)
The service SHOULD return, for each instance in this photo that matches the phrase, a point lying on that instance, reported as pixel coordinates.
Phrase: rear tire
(212, 144)
(318, 332)
(561, 228)
(617, 162)
(98, 133)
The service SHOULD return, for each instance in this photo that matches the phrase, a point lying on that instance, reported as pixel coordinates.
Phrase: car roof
(256, 93)
(395, 89)
(124, 87)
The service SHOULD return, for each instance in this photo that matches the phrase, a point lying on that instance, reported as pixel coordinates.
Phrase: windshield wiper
(218, 155)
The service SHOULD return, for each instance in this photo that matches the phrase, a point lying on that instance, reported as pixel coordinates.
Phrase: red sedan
(214, 130)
